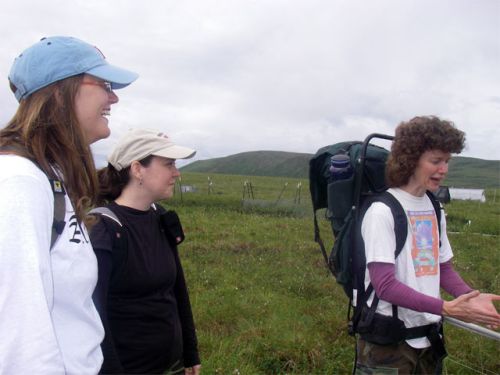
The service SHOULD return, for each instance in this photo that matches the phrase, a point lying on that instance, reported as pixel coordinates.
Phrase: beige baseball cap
(138, 144)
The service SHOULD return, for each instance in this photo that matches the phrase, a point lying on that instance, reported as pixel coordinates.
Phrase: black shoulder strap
(437, 208)
(57, 187)
(59, 210)
(119, 239)
(400, 221)
(319, 241)
(170, 224)
(105, 211)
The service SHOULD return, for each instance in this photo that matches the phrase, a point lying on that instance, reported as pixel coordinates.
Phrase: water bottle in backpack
(340, 167)
(340, 187)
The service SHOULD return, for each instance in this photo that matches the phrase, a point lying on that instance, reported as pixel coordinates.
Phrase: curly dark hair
(413, 138)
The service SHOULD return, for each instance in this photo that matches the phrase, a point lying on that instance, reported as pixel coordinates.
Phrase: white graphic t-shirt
(418, 264)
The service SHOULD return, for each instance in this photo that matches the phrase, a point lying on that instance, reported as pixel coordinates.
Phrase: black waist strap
(429, 330)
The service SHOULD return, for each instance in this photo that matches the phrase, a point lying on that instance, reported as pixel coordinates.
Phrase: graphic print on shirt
(78, 234)
(425, 249)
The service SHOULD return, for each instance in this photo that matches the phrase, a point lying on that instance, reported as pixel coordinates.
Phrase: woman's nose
(113, 98)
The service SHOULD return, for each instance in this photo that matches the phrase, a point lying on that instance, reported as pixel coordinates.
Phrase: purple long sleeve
(451, 281)
(389, 289)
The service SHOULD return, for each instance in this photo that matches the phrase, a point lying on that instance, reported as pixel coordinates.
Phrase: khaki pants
(401, 358)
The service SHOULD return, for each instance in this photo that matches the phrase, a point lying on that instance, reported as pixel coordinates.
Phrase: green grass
(262, 298)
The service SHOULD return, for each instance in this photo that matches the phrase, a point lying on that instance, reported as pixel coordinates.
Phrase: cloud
(227, 76)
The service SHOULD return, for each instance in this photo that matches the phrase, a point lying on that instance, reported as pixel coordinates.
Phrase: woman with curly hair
(408, 286)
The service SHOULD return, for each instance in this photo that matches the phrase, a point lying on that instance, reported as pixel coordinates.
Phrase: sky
(229, 76)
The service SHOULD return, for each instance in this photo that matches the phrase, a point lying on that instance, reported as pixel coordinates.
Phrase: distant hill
(255, 163)
(473, 173)
(464, 172)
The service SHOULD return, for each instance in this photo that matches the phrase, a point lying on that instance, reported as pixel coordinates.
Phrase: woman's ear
(136, 170)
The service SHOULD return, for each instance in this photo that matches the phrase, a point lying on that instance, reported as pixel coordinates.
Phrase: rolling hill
(255, 163)
(464, 172)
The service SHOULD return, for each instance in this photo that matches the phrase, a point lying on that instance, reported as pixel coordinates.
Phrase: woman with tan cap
(141, 293)
(49, 325)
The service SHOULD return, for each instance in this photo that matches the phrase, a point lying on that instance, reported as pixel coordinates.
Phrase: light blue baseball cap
(58, 57)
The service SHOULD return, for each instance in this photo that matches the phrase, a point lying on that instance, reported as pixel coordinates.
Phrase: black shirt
(142, 296)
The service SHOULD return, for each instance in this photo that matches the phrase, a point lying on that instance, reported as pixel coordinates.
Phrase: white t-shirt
(417, 265)
(48, 322)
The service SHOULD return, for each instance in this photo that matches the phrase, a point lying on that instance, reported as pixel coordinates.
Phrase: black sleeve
(190, 342)
(102, 244)
(172, 227)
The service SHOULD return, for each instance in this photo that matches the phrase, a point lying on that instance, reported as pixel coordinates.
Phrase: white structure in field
(188, 189)
(468, 194)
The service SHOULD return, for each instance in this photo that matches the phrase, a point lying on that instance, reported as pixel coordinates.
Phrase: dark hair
(112, 182)
(46, 128)
(413, 138)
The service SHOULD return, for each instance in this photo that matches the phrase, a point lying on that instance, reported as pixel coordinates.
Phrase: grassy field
(263, 300)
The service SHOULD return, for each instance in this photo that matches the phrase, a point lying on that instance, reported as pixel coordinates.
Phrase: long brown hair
(46, 127)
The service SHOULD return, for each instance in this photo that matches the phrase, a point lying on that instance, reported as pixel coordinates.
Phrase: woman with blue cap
(65, 88)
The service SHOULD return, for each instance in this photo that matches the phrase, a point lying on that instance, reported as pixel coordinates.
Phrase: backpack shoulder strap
(170, 224)
(319, 241)
(437, 208)
(57, 187)
(400, 220)
(105, 211)
(158, 209)
(59, 210)
(119, 240)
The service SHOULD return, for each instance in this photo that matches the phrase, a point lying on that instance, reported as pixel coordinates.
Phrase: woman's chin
(433, 185)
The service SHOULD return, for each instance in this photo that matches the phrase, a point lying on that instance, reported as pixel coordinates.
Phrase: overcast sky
(227, 76)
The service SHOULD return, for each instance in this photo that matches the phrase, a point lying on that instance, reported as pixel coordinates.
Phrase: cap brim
(118, 77)
(176, 152)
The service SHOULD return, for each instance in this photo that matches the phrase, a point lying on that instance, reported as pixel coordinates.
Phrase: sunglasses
(104, 84)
